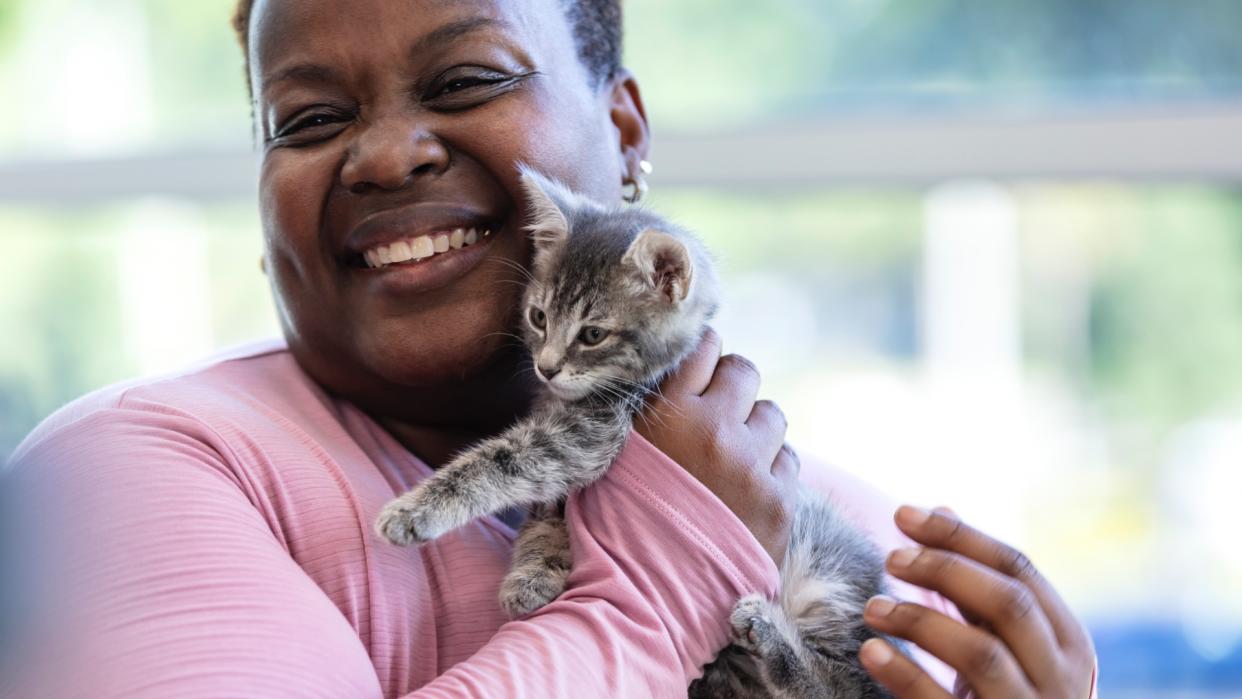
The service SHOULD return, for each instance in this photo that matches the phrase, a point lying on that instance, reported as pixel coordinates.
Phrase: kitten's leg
(732, 675)
(762, 628)
(541, 564)
(536, 461)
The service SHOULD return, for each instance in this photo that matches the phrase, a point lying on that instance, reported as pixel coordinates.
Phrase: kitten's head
(618, 296)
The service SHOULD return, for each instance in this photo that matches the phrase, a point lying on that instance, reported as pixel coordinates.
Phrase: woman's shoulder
(231, 385)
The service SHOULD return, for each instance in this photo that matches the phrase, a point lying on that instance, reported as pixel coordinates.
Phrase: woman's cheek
(538, 127)
(293, 184)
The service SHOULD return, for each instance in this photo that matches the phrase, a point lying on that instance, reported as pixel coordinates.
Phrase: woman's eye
(310, 121)
(470, 86)
(537, 318)
(458, 84)
(592, 335)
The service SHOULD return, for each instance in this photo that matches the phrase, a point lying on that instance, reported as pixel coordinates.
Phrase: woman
(227, 509)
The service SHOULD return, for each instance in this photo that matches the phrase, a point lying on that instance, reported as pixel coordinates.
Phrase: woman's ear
(630, 119)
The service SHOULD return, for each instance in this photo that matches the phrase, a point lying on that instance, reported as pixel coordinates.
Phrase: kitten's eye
(592, 335)
(537, 318)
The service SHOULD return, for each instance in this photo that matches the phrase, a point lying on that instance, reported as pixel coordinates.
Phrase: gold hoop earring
(639, 184)
(639, 190)
(262, 264)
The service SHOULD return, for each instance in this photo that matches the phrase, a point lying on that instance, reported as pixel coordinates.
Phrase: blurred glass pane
(101, 78)
(97, 295)
(705, 63)
(133, 73)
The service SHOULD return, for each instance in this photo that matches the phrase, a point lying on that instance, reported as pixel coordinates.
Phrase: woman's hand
(1021, 640)
(706, 419)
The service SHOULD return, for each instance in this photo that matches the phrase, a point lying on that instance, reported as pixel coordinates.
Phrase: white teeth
(422, 247)
(400, 251)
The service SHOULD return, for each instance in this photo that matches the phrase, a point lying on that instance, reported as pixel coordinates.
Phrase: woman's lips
(417, 275)
(419, 248)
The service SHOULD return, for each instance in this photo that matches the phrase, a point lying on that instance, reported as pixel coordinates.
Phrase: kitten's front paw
(406, 520)
(752, 630)
(525, 589)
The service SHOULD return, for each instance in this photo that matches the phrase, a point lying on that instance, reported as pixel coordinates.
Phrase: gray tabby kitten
(616, 299)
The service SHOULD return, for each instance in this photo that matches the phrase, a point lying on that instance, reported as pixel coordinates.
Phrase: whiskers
(520, 269)
(513, 336)
(638, 393)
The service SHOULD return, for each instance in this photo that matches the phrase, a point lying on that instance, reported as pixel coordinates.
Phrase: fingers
(736, 385)
(899, 674)
(767, 422)
(787, 464)
(785, 470)
(695, 372)
(944, 531)
(981, 658)
(985, 596)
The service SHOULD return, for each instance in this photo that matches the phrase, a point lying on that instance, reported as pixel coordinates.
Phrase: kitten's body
(616, 299)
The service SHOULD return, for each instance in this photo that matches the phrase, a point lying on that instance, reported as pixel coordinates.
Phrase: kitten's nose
(548, 371)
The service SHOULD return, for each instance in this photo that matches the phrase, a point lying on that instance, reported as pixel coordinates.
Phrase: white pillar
(165, 286)
(971, 342)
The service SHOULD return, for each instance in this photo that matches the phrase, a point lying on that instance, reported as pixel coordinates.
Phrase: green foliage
(810, 234)
(197, 71)
(705, 63)
(9, 10)
(63, 326)
(1167, 308)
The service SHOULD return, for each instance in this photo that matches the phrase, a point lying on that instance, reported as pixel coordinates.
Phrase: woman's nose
(389, 152)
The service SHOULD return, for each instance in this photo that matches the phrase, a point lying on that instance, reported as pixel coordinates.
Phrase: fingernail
(880, 605)
(912, 516)
(902, 558)
(946, 512)
(876, 652)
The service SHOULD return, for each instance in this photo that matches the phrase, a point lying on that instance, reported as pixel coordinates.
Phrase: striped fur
(650, 288)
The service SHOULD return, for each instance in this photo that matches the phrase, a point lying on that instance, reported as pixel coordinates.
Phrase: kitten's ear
(663, 262)
(548, 202)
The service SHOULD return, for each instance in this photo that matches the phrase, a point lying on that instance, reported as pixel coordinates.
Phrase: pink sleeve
(659, 562)
(175, 585)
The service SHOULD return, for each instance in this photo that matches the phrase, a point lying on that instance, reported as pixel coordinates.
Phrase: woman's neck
(437, 422)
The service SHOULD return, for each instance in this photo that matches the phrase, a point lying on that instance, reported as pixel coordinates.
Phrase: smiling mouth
(415, 249)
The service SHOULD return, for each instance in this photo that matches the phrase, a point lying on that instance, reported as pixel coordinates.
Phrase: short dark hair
(596, 25)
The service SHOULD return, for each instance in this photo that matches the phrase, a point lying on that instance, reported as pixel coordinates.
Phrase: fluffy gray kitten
(616, 298)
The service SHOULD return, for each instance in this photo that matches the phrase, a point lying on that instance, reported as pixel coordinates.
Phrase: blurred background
(988, 254)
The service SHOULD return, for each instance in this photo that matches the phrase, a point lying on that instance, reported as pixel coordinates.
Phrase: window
(978, 248)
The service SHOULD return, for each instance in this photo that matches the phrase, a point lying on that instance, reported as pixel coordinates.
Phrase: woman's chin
(433, 358)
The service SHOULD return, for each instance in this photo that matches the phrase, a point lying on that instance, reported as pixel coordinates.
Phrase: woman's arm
(658, 564)
(179, 586)
(175, 584)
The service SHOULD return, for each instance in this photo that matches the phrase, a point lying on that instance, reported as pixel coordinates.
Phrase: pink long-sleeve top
(215, 531)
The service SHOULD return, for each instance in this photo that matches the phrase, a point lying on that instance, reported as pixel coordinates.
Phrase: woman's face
(388, 120)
